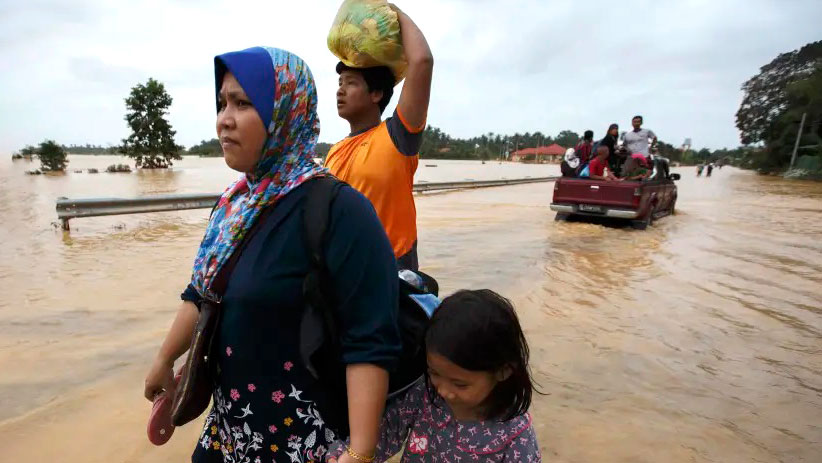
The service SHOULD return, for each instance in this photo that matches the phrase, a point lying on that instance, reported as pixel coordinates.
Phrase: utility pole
(798, 136)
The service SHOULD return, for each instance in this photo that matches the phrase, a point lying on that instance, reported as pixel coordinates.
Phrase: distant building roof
(550, 150)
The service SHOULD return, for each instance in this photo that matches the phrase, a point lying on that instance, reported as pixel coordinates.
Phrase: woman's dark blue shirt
(264, 403)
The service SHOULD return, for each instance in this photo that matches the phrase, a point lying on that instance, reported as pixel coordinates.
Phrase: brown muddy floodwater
(698, 340)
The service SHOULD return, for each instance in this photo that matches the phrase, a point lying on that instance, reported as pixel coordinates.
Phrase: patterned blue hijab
(281, 88)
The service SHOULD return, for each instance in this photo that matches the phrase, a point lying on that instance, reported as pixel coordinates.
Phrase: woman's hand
(160, 378)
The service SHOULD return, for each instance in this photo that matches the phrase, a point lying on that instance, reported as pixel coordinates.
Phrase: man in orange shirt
(379, 158)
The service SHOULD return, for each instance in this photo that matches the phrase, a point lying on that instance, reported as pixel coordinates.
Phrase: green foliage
(669, 151)
(28, 152)
(804, 97)
(766, 94)
(567, 138)
(210, 148)
(437, 144)
(810, 163)
(323, 149)
(52, 156)
(118, 168)
(151, 143)
(90, 149)
(774, 102)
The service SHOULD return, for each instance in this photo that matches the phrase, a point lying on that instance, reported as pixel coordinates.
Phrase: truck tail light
(637, 197)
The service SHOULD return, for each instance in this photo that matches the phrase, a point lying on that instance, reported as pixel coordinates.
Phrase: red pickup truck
(641, 202)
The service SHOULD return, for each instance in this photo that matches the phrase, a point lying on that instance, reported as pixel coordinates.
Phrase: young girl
(473, 404)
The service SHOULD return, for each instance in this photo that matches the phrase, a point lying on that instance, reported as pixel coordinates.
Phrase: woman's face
(614, 131)
(239, 127)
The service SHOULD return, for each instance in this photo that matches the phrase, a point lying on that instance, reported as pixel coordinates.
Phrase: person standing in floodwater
(266, 404)
(380, 159)
(472, 405)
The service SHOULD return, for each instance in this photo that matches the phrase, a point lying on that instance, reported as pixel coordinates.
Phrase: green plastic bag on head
(366, 33)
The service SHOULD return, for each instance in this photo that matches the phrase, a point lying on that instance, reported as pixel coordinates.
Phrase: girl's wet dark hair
(479, 331)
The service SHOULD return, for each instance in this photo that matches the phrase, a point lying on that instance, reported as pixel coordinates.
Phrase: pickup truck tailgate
(578, 191)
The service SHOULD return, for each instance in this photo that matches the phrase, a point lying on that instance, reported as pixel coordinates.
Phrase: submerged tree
(151, 143)
(52, 156)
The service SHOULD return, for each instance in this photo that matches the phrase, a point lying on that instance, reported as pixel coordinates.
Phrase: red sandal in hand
(159, 427)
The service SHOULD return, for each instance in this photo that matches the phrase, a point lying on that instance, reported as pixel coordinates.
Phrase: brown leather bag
(193, 393)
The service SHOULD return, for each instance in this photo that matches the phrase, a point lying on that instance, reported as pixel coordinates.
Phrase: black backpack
(319, 340)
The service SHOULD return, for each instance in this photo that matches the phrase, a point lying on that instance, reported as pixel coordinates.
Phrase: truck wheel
(673, 207)
(562, 216)
(644, 223)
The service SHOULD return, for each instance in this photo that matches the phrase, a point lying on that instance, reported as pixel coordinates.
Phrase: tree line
(773, 106)
(212, 148)
(768, 119)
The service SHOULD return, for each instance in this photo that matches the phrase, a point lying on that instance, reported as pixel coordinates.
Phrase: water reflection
(700, 337)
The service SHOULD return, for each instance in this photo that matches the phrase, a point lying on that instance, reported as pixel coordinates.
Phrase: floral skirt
(263, 426)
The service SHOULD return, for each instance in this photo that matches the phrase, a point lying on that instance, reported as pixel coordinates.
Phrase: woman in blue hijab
(266, 405)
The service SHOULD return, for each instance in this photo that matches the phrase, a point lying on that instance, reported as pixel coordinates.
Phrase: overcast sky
(500, 66)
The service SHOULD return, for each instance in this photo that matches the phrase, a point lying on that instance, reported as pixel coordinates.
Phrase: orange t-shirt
(380, 163)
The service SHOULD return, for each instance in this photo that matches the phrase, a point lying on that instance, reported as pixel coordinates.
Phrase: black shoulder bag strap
(320, 348)
(193, 393)
(316, 219)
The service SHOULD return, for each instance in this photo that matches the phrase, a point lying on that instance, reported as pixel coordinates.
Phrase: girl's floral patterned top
(432, 434)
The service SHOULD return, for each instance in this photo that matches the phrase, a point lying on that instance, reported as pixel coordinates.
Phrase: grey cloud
(501, 66)
(92, 69)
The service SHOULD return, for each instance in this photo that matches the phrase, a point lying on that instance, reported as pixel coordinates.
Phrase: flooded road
(698, 340)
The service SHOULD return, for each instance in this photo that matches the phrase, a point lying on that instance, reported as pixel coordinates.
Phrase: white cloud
(66, 66)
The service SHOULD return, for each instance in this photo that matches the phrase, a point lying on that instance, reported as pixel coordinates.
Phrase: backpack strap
(319, 341)
(317, 287)
(317, 215)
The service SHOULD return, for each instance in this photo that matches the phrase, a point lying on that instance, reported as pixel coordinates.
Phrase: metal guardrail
(424, 187)
(95, 207)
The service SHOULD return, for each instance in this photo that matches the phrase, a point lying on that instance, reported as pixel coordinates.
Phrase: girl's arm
(401, 414)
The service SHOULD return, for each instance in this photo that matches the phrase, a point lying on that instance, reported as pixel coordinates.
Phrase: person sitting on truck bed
(617, 160)
(584, 147)
(598, 167)
(610, 140)
(636, 167)
(570, 164)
